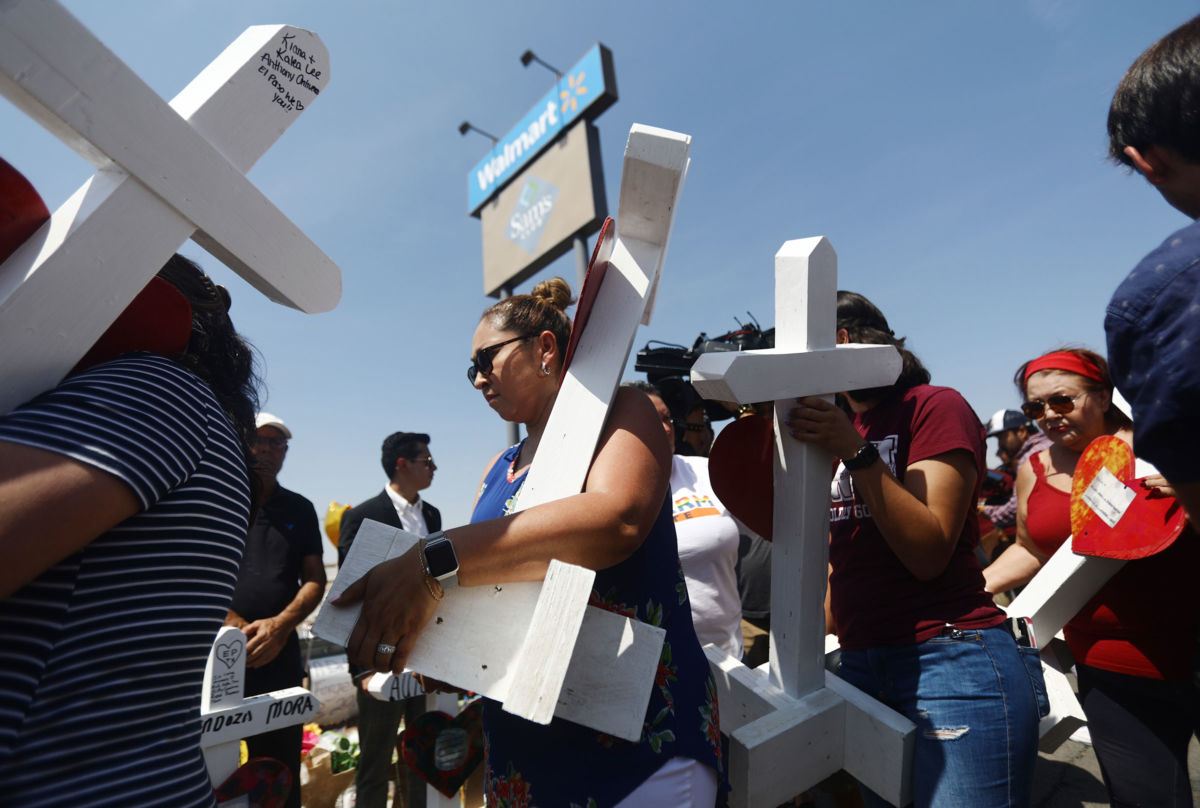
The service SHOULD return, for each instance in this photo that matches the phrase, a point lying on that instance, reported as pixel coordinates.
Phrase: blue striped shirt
(102, 656)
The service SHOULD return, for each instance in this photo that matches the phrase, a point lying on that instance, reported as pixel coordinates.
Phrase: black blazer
(381, 509)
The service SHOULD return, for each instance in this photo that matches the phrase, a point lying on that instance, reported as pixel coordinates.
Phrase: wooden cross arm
(780, 745)
(775, 373)
(1060, 589)
(535, 647)
(652, 178)
(258, 714)
(57, 72)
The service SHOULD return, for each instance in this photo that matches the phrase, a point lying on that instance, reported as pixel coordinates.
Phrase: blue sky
(953, 153)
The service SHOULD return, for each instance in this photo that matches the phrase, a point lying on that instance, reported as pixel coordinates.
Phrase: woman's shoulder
(140, 369)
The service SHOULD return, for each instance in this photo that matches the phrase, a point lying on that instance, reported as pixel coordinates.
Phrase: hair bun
(555, 291)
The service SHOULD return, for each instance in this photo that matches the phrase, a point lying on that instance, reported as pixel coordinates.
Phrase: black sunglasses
(427, 462)
(482, 361)
(1061, 403)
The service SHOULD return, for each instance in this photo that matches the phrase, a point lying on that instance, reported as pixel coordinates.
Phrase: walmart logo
(585, 91)
(570, 96)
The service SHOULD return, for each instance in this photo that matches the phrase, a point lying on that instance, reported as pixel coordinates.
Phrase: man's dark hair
(1158, 101)
(398, 445)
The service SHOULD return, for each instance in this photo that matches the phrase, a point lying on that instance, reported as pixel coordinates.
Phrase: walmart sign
(584, 91)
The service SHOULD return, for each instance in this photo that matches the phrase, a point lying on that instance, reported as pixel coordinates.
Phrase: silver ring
(385, 649)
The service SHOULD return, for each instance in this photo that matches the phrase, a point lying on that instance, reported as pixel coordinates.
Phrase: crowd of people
(140, 510)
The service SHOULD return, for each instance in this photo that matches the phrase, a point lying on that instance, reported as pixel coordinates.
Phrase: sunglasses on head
(1061, 403)
(482, 361)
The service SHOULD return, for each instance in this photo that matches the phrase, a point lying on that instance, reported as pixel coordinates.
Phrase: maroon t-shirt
(875, 599)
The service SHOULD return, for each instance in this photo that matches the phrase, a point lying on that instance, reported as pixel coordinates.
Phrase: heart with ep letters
(444, 750)
(1112, 515)
(228, 653)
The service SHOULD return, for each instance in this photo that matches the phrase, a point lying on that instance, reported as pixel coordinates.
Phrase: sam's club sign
(529, 216)
(584, 91)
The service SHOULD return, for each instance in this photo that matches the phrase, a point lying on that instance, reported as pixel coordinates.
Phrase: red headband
(1064, 360)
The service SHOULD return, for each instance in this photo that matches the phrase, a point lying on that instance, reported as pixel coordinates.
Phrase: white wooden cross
(791, 723)
(227, 717)
(164, 174)
(581, 663)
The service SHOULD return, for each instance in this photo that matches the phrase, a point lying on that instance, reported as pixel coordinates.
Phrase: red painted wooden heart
(741, 467)
(1112, 515)
(22, 210)
(265, 782)
(442, 750)
(591, 287)
(158, 320)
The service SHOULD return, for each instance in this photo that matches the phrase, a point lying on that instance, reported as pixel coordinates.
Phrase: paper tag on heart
(1108, 497)
(1112, 515)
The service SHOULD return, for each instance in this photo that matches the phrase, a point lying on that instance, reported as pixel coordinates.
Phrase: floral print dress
(566, 764)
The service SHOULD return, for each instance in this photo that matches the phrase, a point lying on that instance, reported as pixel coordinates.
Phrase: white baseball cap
(267, 419)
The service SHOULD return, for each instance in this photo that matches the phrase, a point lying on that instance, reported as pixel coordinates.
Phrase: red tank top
(1143, 621)
(1048, 512)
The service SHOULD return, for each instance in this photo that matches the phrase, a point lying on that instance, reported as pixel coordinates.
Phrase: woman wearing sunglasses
(917, 630)
(1133, 641)
(620, 526)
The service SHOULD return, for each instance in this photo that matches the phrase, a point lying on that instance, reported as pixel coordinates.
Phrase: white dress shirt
(412, 518)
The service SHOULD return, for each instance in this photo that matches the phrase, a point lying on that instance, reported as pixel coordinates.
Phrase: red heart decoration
(741, 467)
(158, 320)
(591, 287)
(265, 782)
(22, 210)
(1147, 526)
(443, 751)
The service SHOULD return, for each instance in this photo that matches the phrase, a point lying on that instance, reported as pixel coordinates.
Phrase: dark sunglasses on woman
(482, 361)
(1061, 403)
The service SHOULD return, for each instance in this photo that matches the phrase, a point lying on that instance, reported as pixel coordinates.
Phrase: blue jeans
(975, 707)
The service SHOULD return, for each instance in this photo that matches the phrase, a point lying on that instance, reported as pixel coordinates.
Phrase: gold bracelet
(432, 584)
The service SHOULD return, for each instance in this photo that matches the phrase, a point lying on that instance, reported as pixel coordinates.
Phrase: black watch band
(440, 558)
(867, 454)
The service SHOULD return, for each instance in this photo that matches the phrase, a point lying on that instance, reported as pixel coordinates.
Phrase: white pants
(681, 782)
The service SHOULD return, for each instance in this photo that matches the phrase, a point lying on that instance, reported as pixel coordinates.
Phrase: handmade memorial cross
(164, 174)
(538, 647)
(790, 722)
(227, 717)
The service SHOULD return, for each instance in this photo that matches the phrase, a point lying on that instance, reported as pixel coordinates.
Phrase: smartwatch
(867, 454)
(440, 559)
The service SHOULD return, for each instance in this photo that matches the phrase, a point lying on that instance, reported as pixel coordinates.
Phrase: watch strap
(867, 454)
(442, 573)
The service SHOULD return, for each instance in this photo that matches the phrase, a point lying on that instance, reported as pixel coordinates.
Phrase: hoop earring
(545, 370)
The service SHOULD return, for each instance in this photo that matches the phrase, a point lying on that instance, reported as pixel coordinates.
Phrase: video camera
(664, 360)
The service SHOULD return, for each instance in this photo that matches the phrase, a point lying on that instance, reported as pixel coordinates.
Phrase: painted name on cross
(302, 704)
